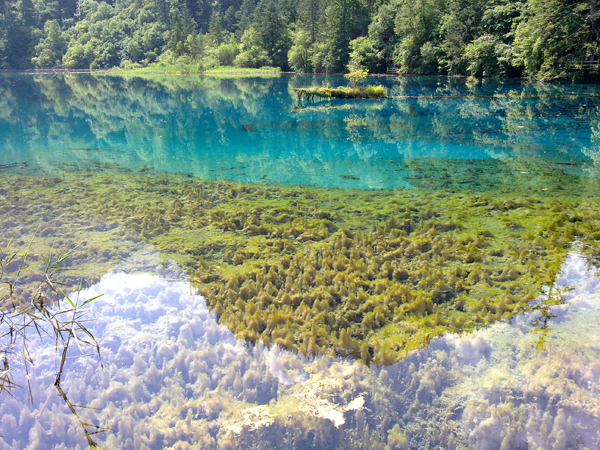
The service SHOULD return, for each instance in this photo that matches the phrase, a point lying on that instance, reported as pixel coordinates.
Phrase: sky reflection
(175, 378)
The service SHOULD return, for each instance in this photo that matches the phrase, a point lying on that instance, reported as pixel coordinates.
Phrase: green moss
(367, 274)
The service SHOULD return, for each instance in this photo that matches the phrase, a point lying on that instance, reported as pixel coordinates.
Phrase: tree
(244, 17)
(460, 25)
(273, 32)
(301, 52)
(356, 73)
(51, 49)
(309, 17)
(80, 56)
(19, 39)
(480, 37)
(252, 54)
(227, 52)
(554, 33)
(344, 20)
(182, 25)
(417, 27)
(215, 31)
(363, 49)
(488, 56)
(377, 49)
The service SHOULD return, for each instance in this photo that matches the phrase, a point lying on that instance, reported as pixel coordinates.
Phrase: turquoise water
(175, 377)
(254, 129)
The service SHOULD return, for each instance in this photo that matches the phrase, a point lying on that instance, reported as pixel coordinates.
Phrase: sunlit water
(175, 378)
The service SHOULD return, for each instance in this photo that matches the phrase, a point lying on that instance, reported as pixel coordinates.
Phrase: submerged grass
(367, 274)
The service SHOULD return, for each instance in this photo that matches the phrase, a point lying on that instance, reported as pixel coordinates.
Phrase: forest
(541, 39)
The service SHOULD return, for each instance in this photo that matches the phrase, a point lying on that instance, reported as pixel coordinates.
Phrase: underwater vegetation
(175, 378)
(363, 274)
(455, 243)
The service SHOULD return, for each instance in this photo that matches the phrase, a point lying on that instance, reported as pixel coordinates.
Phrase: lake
(413, 272)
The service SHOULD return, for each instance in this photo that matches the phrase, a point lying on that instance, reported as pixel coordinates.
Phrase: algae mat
(367, 274)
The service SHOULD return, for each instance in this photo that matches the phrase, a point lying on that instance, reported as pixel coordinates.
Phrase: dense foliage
(538, 38)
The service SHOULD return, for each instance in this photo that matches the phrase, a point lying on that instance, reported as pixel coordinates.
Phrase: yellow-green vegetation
(356, 72)
(366, 274)
(341, 92)
(189, 68)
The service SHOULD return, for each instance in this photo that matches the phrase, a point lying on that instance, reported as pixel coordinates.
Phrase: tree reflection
(253, 125)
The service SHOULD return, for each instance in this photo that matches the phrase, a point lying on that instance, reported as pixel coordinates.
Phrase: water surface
(252, 129)
(482, 198)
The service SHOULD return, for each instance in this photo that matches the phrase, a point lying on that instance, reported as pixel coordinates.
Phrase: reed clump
(38, 304)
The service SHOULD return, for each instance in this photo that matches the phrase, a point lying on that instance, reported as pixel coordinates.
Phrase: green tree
(377, 48)
(356, 72)
(215, 30)
(229, 19)
(301, 52)
(19, 37)
(227, 52)
(273, 32)
(148, 38)
(344, 20)
(460, 25)
(309, 18)
(51, 49)
(46, 10)
(416, 26)
(488, 56)
(363, 49)
(181, 26)
(80, 56)
(244, 17)
(554, 33)
(253, 55)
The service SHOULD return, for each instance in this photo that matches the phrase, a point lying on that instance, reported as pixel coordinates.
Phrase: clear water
(176, 378)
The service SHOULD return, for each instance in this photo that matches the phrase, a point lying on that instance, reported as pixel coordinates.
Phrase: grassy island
(341, 92)
(356, 75)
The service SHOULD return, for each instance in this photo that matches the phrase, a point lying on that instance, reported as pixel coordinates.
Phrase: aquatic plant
(368, 274)
(341, 92)
(377, 91)
(44, 310)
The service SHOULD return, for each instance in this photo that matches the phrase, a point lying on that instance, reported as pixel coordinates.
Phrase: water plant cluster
(34, 306)
(342, 92)
(367, 274)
